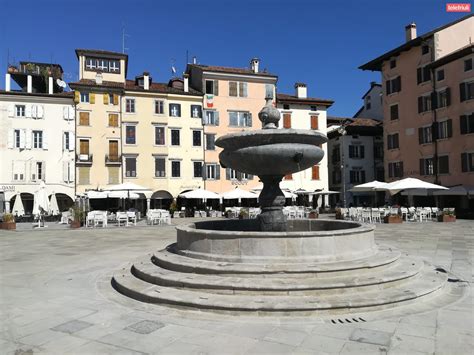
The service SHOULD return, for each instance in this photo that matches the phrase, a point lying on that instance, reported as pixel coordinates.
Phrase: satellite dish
(60, 83)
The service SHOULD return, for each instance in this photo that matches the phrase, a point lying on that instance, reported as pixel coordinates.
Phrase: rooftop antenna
(124, 34)
(187, 57)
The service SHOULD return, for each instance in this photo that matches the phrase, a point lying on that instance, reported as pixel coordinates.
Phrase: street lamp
(342, 131)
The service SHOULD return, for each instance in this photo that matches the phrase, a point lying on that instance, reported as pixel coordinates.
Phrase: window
(196, 138)
(367, 103)
(237, 89)
(425, 135)
(467, 123)
(356, 151)
(313, 108)
(395, 169)
(424, 103)
(269, 91)
(286, 107)
(394, 112)
(393, 63)
(67, 137)
(17, 138)
(84, 97)
(212, 87)
(84, 118)
(103, 64)
(113, 151)
(440, 75)
(20, 110)
(468, 64)
(210, 139)
(423, 74)
(111, 99)
(315, 172)
(212, 172)
(84, 146)
(467, 162)
(240, 119)
(160, 167)
(336, 153)
(159, 107)
(443, 164)
(175, 168)
(314, 122)
(445, 129)
(393, 85)
(38, 139)
(336, 176)
(287, 120)
(39, 171)
(378, 151)
(443, 98)
(466, 91)
(175, 110)
(232, 174)
(130, 135)
(197, 165)
(130, 105)
(84, 175)
(114, 66)
(175, 137)
(159, 135)
(392, 141)
(196, 111)
(426, 166)
(425, 49)
(211, 118)
(356, 176)
(113, 120)
(91, 63)
(131, 167)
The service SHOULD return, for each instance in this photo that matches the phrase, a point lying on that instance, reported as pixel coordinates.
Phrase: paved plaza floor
(55, 298)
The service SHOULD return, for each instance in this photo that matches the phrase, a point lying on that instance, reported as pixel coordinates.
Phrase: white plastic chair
(122, 217)
(131, 218)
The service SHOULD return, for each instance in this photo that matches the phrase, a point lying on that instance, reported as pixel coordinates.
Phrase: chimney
(146, 80)
(50, 85)
(186, 82)
(301, 91)
(410, 31)
(29, 84)
(254, 64)
(194, 60)
(7, 82)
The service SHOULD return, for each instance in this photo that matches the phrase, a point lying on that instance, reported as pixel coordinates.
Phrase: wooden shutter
(398, 81)
(434, 131)
(113, 150)
(77, 97)
(227, 173)
(450, 128)
(216, 117)
(72, 141)
(218, 172)
(464, 162)
(83, 146)
(418, 76)
(286, 120)
(116, 99)
(92, 98)
(462, 91)
(113, 120)
(420, 135)
(448, 96)
(215, 84)
(45, 140)
(314, 122)
(420, 104)
(11, 138)
(232, 88)
(249, 119)
(434, 100)
(84, 118)
(242, 89)
(463, 121)
(470, 120)
(106, 98)
(387, 87)
(315, 172)
(351, 150)
(422, 166)
(401, 169)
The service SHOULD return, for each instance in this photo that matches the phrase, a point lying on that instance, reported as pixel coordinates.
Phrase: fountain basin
(304, 241)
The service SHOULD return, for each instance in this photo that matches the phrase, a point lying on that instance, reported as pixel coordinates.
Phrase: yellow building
(162, 137)
(98, 96)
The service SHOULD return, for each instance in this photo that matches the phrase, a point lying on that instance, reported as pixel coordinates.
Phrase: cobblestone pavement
(54, 300)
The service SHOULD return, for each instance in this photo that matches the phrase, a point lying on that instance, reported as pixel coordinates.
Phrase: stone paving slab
(52, 301)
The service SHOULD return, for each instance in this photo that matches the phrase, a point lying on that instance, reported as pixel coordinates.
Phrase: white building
(37, 126)
(299, 111)
(373, 107)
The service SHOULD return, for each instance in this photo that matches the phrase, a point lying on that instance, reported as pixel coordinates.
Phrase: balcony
(40, 72)
(113, 159)
(84, 159)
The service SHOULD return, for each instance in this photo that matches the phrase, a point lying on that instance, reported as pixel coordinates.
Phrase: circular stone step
(398, 271)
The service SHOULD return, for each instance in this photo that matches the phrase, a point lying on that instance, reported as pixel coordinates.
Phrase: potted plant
(447, 215)
(8, 222)
(339, 214)
(393, 217)
(173, 207)
(77, 217)
(244, 213)
(313, 214)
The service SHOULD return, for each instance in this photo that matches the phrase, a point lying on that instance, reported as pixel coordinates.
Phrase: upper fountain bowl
(271, 151)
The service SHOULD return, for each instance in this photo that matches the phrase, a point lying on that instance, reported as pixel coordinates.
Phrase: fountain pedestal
(272, 200)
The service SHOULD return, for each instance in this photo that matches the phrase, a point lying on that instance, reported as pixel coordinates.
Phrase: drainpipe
(435, 117)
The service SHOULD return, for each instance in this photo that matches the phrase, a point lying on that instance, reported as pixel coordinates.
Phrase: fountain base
(271, 201)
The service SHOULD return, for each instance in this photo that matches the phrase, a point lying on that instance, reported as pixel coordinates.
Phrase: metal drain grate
(348, 320)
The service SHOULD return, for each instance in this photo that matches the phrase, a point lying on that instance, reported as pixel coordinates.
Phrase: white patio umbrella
(128, 186)
(238, 194)
(123, 195)
(461, 190)
(40, 199)
(289, 194)
(53, 205)
(369, 186)
(325, 192)
(92, 195)
(18, 209)
(409, 184)
(200, 194)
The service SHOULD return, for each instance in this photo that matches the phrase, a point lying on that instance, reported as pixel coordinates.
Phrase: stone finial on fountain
(269, 115)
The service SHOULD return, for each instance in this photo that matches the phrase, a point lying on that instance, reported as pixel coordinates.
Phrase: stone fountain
(270, 265)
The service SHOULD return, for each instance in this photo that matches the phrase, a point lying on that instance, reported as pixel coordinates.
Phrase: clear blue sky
(319, 42)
